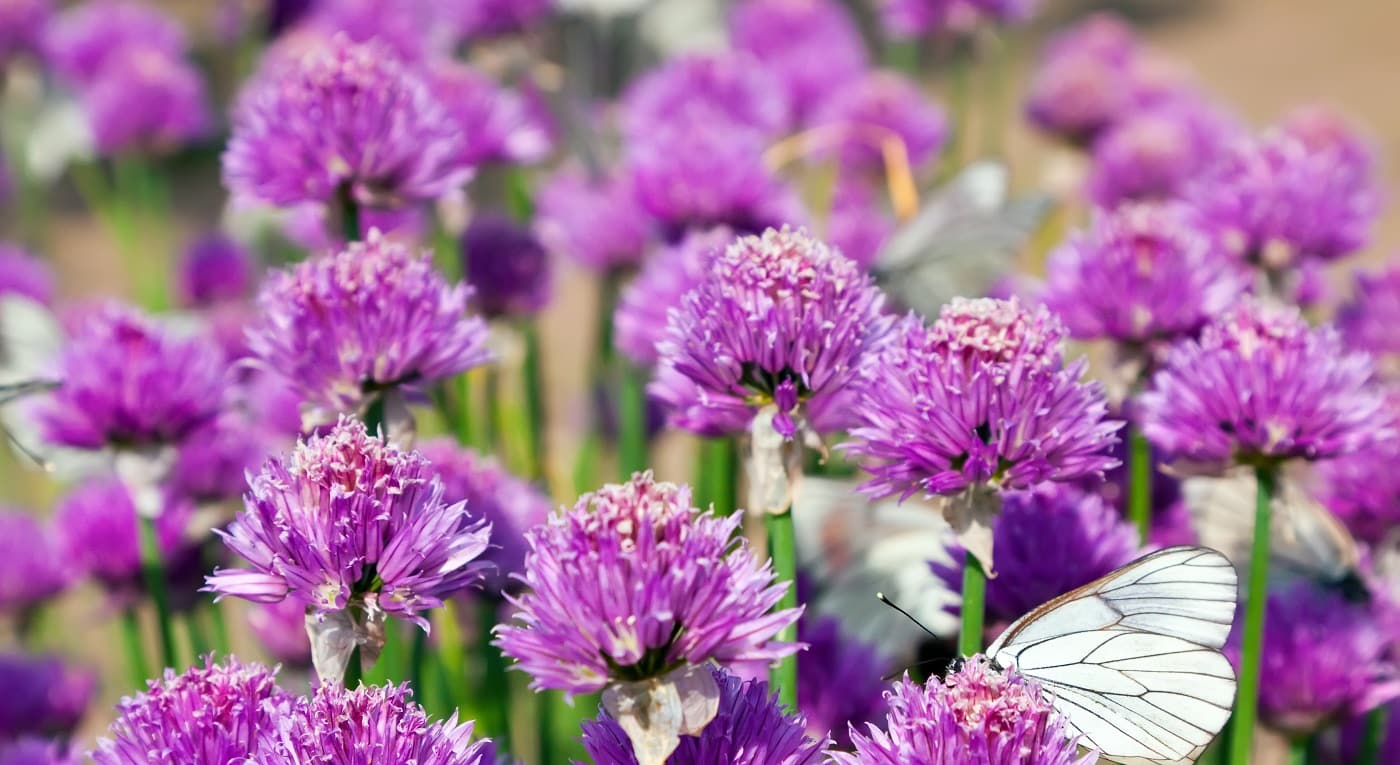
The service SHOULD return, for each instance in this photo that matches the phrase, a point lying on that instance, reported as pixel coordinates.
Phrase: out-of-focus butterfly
(964, 237)
(29, 340)
(1133, 660)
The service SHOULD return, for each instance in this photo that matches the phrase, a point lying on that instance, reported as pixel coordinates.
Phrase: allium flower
(980, 398)
(374, 318)
(366, 726)
(214, 269)
(596, 222)
(35, 751)
(876, 109)
(634, 582)
(752, 728)
(31, 569)
(640, 320)
(1363, 491)
(1324, 130)
(813, 47)
(22, 27)
(347, 119)
(727, 91)
(84, 40)
(840, 681)
(1048, 541)
(507, 265)
(1083, 83)
(349, 521)
(1260, 387)
(494, 18)
(1368, 321)
(127, 382)
(510, 504)
(43, 696)
(1326, 659)
(500, 125)
(96, 527)
(174, 108)
(1142, 275)
(212, 465)
(1353, 733)
(1155, 153)
(780, 319)
(24, 275)
(978, 715)
(208, 715)
(281, 629)
(858, 225)
(414, 29)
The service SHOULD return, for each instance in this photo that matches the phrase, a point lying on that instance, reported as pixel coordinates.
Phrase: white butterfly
(1133, 660)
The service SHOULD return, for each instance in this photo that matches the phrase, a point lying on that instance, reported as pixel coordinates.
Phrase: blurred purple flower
(85, 39)
(281, 629)
(500, 125)
(207, 715)
(840, 681)
(44, 696)
(31, 569)
(752, 728)
(174, 108)
(1154, 153)
(774, 312)
(416, 30)
(370, 319)
(1363, 491)
(479, 19)
(36, 751)
(96, 528)
(977, 714)
(633, 581)
(1353, 733)
(349, 520)
(1083, 82)
(214, 269)
(877, 109)
(727, 91)
(858, 225)
(1368, 321)
(25, 275)
(812, 47)
(1326, 658)
(1323, 130)
(508, 267)
(343, 121)
(1260, 387)
(127, 382)
(639, 322)
(212, 465)
(597, 223)
(22, 27)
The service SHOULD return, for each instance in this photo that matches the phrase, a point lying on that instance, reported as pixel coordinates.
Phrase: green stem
(1300, 751)
(782, 547)
(451, 656)
(632, 421)
(418, 666)
(534, 397)
(216, 619)
(136, 664)
(1374, 737)
(1140, 484)
(495, 683)
(717, 479)
(390, 664)
(354, 671)
(1256, 598)
(199, 639)
(349, 215)
(154, 572)
(544, 719)
(974, 597)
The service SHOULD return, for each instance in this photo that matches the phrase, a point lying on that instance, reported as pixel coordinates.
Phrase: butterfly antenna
(906, 615)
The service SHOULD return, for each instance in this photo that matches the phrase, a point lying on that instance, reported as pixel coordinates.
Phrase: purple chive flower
(640, 320)
(1353, 733)
(1368, 320)
(1260, 387)
(877, 109)
(980, 398)
(24, 275)
(367, 725)
(35, 751)
(858, 225)
(1048, 541)
(414, 29)
(495, 18)
(84, 40)
(174, 106)
(346, 120)
(1083, 83)
(840, 681)
(595, 222)
(510, 504)
(281, 629)
(726, 90)
(129, 382)
(31, 568)
(977, 714)
(500, 125)
(1363, 491)
(214, 269)
(212, 465)
(1326, 658)
(508, 267)
(1156, 152)
(1277, 201)
(634, 580)
(370, 319)
(780, 318)
(1324, 130)
(347, 520)
(96, 531)
(812, 47)
(22, 27)
(207, 715)
(752, 728)
(44, 696)
(1142, 275)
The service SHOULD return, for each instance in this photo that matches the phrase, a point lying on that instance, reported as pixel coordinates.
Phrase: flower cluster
(1155, 152)
(43, 696)
(639, 323)
(880, 108)
(594, 221)
(1367, 322)
(812, 47)
(31, 570)
(840, 681)
(214, 269)
(507, 265)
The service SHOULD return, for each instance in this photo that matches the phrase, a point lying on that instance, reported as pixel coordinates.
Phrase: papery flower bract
(31, 569)
(281, 630)
(812, 47)
(214, 269)
(1048, 541)
(778, 316)
(508, 267)
(372, 318)
(1154, 153)
(840, 680)
(96, 529)
(24, 275)
(977, 715)
(347, 519)
(722, 90)
(211, 714)
(478, 19)
(43, 696)
(634, 582)
(598, 223)
(1260, 386)
(174, 106)
(640, 320)
(510, 504)
(1368, 320)
(1142, 275)
(877, 109)
(367, 726)
(83, 41)
(22, 27)
(126, 382)
(499, 124)
(752, 728)
(343, 119)
(1326, 659)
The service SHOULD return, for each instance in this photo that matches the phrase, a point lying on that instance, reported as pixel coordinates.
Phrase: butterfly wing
(1133, 660)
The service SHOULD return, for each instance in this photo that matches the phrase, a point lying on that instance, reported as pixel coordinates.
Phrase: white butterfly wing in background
(1133, 660)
